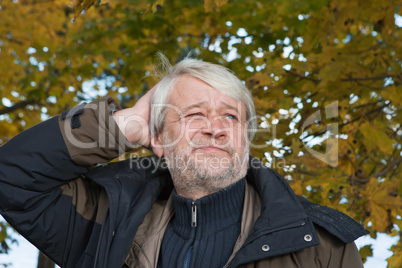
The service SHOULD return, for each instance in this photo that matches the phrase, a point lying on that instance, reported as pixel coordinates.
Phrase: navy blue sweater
(203, 232)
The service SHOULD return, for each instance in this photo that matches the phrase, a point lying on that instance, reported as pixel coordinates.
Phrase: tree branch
(380, 77)
(369, 78)
(388, 167)
(35, 2)
(304, 77)
(300, 171)
(318, 133)
(17, 106)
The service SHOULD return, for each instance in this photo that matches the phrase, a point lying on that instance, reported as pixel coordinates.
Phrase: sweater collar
(210, 213)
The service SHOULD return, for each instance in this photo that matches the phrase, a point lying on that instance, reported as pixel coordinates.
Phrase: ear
(157, 145)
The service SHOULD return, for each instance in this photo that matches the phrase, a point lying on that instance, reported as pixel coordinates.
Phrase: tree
(5, 240)
(325, 75)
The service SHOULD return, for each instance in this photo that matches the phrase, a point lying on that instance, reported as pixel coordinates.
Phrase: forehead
(189, 90)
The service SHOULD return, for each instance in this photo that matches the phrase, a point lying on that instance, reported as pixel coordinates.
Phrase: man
(214, 206)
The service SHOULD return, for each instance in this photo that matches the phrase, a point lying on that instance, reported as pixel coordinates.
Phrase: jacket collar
(281, 224)
(280, 206)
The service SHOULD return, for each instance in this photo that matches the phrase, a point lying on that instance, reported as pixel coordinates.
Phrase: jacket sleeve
(333, 253)
(330, 253)
(41, 192)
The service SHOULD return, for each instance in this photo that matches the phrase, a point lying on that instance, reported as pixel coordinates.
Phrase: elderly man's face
(204, 139)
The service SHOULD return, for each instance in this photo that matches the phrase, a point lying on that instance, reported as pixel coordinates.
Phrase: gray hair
(218, 77)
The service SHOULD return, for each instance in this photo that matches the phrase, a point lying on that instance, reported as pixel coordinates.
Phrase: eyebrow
(229, 106)
(201, 103)
(195, 105)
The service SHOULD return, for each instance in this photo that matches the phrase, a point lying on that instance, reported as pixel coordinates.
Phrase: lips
(211, 145)
(212, 148)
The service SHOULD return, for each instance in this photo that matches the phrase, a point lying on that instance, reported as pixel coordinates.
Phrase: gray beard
(195, 176)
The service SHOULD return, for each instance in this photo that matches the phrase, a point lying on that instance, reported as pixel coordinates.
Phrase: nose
(215, 128)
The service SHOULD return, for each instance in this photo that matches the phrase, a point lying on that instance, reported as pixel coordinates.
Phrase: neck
(196, 191)
(223, 207)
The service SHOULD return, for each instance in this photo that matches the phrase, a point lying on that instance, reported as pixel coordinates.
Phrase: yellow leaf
(75, 3)
(220, 3)
(209, 5)
(345, 165)
(88, 3)
(382, 200)
(383, 193)
(365, 252)
(261, 79)
(297, 186)
(158, 5)
(376, 138)
(312, 162)
(391, 93)
(296, 146)
(378, 217)
(395, 261)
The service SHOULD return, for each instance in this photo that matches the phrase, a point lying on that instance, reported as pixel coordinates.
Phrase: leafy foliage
(5, 240)
(325, 75)
(365, 252)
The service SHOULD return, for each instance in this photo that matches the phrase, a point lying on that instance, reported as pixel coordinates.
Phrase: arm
(40, 194)
(334, 253)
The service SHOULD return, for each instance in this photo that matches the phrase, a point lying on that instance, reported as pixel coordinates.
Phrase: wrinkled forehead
(188, 90)
(191, 91)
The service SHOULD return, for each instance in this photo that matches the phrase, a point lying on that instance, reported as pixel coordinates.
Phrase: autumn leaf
(395, 261)
(376, 139)
(209, 5)
(382, 198)
(220, 3)
(365, 252)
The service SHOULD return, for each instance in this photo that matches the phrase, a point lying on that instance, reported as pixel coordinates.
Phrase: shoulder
(133, 176)
(137, 167)
(333, 221)
(331, 252)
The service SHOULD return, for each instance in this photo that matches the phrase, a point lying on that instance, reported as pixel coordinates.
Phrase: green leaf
(376, 139)
(365, 252)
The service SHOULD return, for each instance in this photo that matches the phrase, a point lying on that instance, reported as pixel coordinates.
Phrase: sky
(25, 255)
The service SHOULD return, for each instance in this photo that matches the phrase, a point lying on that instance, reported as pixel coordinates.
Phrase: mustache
(202, 143)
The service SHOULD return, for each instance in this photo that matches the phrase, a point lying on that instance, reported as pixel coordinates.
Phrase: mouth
(212, 149)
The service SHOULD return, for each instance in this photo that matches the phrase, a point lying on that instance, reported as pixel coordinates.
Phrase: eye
(231, 117)
(194, 114)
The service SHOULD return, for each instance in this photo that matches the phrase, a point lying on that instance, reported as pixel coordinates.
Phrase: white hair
(218, 77)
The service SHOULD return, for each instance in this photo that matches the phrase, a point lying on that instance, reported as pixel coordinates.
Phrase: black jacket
(87, 217)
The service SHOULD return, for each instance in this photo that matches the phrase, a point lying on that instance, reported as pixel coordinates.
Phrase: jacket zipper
(101, 237)
(193, 214)
(187, 257)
